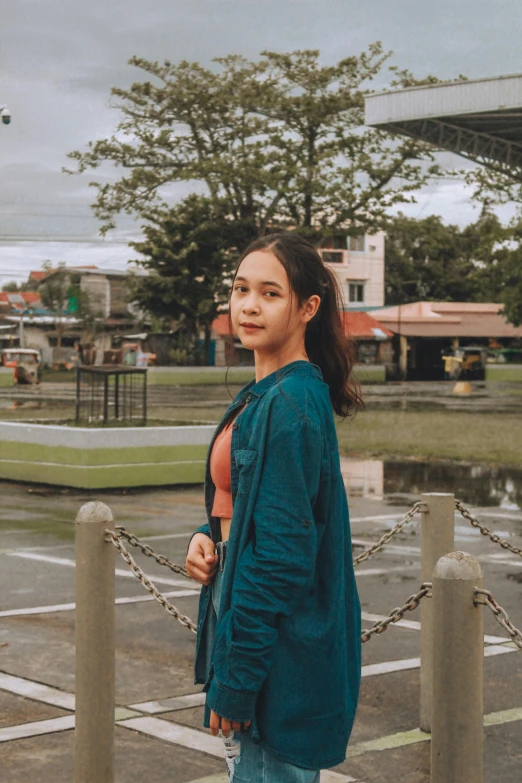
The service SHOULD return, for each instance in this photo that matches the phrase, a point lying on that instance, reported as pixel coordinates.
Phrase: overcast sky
(59, 60)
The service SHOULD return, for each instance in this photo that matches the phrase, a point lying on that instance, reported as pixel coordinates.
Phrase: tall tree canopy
(185, 252)
(426, 259)
(279, 141)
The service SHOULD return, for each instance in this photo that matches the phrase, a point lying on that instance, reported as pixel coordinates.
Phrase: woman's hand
(201, 562)
(217, 723)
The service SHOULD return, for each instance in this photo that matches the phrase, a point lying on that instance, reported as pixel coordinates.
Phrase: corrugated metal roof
(473, 96)
(363, 326)
(480, 119)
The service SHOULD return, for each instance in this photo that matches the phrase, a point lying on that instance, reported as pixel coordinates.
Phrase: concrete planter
(88, 458)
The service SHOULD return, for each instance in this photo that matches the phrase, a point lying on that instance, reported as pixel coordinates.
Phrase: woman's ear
(310, 308)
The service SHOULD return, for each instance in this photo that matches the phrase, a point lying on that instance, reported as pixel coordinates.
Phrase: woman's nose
(250, 305)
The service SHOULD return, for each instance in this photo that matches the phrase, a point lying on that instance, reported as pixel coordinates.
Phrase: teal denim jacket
(287, 648)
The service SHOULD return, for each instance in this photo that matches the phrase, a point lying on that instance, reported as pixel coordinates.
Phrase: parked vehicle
(507, 356)
(467, 363)
(24, 361)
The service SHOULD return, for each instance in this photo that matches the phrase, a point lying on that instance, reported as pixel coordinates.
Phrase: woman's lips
(251, 327)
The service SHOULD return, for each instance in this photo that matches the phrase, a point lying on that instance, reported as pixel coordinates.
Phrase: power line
(73, 240)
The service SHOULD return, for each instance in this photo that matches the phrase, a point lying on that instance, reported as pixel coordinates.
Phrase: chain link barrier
(486, 531)
(419, 506)
(397, 614)
(115, 539)
(148, 551)
(501, 616)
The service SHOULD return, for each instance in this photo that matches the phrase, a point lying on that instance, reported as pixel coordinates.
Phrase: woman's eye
(272, 293)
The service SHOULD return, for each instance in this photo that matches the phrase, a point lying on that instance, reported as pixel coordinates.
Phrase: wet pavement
(164, 741)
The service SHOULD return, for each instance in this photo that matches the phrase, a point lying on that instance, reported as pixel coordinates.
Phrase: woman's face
(264, 315)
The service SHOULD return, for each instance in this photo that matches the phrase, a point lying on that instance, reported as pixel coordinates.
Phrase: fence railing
(452, 637)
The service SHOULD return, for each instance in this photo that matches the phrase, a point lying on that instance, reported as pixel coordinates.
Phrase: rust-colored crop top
(220, 472)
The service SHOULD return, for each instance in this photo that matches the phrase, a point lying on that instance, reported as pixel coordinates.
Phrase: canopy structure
(480, 119)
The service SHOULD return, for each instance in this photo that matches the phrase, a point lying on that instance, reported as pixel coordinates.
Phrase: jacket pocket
(245, 460)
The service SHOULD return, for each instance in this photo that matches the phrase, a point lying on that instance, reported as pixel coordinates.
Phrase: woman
(278, 647)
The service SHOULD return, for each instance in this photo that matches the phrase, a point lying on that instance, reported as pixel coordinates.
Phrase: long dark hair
(325, 340)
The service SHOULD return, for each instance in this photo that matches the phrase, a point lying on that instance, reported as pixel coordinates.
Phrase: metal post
(105, 399)
(117, 396)
(94, 735)
(437, 539)
(458, 663)
(145, 397)
(78, 391)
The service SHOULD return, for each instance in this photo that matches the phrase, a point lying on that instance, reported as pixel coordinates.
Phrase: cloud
(59, 60)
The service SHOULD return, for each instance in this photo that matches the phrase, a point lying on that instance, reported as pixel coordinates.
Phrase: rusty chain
(148, 551)
(501, 616)
(485, 531)
(115, 539)
(397, 614)
(386, 537)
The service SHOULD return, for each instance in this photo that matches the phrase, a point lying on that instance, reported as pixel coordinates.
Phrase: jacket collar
(300, 367)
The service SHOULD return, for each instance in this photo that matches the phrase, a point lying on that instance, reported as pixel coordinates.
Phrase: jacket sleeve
(203, 529)
(275, 572)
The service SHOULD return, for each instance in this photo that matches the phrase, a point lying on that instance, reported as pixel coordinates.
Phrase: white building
(358, 262)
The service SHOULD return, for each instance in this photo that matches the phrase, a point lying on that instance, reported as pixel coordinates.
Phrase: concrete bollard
(458, 665)
(95, 666)
(437, 538)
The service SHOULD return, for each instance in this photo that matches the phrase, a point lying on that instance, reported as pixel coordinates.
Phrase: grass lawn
(504, 372)
(58, 376)
(215, 376)
(172, 376)
(476, 437)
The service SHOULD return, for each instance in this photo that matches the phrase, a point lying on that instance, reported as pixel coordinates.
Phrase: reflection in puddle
(17, 404)
(363, 477)
(399, 481)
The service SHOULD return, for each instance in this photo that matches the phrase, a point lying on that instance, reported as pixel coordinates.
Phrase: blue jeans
(254, 764)
(247, 761)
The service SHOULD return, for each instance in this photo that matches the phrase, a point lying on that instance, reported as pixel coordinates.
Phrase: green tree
(506, 272)
(426, 259)
(276, 142)
(185, 252)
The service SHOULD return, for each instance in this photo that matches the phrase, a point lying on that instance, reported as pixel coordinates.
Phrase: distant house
(358, 263)
(106, 289)
(14, 307)
(39, 328)
(18, 302)
(372, 339)
(37, 275)
(425, 331)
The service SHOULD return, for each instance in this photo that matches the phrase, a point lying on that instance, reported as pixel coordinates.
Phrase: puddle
(399, 482)
(479, 485)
